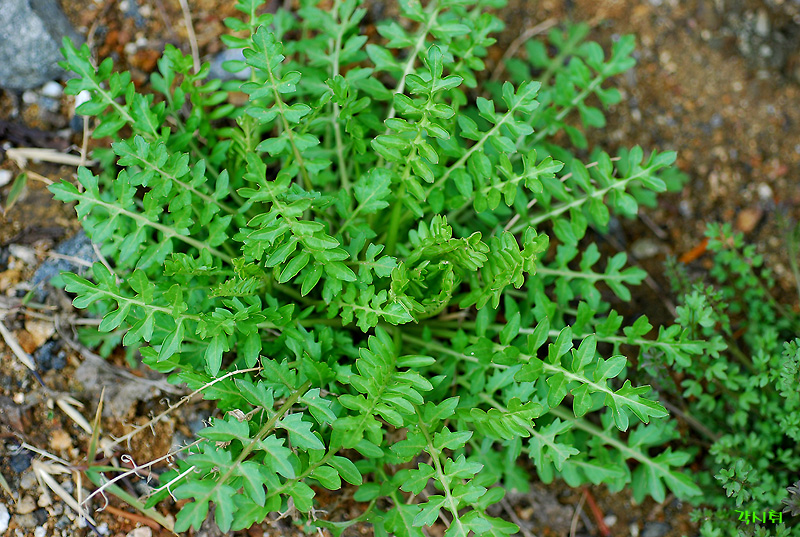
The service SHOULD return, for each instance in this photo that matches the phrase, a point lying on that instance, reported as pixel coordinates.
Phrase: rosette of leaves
(409, 266)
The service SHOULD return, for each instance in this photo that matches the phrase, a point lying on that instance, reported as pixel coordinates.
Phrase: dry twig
(187, 18)
(578, 510)
(518, 42)
(515, 519)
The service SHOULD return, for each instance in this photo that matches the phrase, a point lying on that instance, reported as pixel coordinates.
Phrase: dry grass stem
(136, 469)
(68, 404)
(518, 42)
(15, 347)
(187, 18)
(21, 155)
(44, 473)
(578, 510)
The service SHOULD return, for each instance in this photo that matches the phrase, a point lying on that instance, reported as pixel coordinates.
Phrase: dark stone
(41, 516)
(48, 356)
(20, 462)
(76, 123)
(78, 246)
(32, 31)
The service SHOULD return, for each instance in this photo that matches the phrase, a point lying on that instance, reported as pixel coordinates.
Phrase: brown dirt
(701, 89)
(703, 86)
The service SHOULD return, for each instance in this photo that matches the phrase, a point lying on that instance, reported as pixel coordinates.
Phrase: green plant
(371, 234)
(741, 394)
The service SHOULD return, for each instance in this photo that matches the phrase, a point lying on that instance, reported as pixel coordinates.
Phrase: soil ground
(717, 80)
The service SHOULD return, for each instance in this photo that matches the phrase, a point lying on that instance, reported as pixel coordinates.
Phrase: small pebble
(610, 520)
(4, 518)
(29, 97)
(41, 516)
(27, 481)
(26, 521)
(765, 192)
(63, 522)
(45, 500)
(5, 177)
(102, 529)
(142, 531)
(60, 440)
(40, 330)
(40, 531)
(645, 248)
(82, 97)
(748, 219)
(762, 23)
(23, 253)
(26, 505)
(19, 398)
(52, 89)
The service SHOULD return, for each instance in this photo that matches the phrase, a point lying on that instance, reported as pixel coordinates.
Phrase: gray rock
(27, 521)
(29, 50)
(217, 71)
(655, 529)
(78, 246)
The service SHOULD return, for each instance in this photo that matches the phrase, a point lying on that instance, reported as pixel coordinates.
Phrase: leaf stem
(166, 230)
(433, 9)
(441, 476)
(394, 224)
(577, 202)
(337, 132)
(260, 435)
